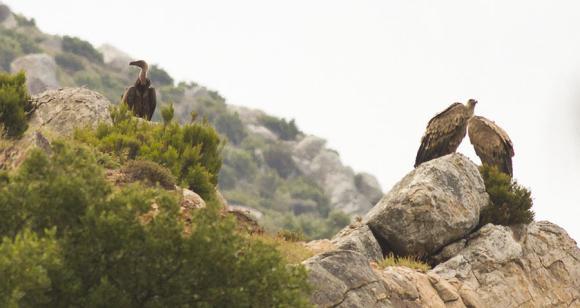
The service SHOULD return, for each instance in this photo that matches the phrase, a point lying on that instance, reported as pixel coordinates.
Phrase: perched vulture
(141, 97)
(445, 132)
(492, 144)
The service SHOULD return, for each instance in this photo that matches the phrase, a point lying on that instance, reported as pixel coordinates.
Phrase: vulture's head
(142, 64)
(471, 105)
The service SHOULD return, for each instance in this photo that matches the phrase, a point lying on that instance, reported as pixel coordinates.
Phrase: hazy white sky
(368, 75)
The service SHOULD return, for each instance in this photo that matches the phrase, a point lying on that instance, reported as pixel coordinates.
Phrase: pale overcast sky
(368, 75)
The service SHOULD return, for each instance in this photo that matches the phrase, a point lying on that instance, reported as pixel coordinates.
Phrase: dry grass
(409, 261)
(292, 252)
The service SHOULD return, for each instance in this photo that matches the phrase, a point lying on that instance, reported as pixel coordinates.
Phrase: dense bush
(14, 102)
(69, 61)
(69, 240)
(191, 152)
(82, 48)
(510, 203)
(284, 129)
(149, 172)
(159, 77)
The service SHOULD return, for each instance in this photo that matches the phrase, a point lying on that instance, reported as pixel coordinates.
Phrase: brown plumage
(492, 144)
(141, 98)
(445, 132)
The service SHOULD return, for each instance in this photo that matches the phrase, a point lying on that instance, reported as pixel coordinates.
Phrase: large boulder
(40, 72)
(63, 110)
(528, 266)
(437, 203)
(344, 278)
(57, 114)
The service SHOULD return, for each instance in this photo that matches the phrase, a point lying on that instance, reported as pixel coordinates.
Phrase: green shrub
(284, 129)
(159, 77)
(191, 152)
(167, 113)
(68, 61)
(14, 103)
(82, 48)
(149, 172)
(69, 240)
(510, 203)
(25, 264)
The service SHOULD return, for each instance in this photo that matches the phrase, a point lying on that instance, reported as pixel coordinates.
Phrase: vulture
(491, 143)
(445, 131)
(141, 97)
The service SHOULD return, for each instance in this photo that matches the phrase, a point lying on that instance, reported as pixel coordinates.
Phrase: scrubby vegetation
(191, 152)
(69, 240)
(408, 261)
(14, 102)
(284, 129)
(150, 173)
(510, 203)
(82, 48)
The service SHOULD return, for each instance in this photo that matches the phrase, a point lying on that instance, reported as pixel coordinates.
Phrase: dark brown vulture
(141, 97)
(445, 132)
(492, 144)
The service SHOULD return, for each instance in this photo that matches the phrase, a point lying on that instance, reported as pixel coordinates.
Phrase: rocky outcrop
(527, 266)
(344, 278)
(410, 288)
(63, 110)
(57, 112)
(358, 237)
(530, 266)
(40, 72)
(437, 203)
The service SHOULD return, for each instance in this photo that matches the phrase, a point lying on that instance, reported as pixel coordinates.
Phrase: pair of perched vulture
(141, 97)
(447, 129)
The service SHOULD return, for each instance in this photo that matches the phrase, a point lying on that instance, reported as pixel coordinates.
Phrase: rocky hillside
(433, 212)
(287, 178)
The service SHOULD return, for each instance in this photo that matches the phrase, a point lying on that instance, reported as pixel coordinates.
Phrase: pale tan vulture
(492, 144)
(445, 132)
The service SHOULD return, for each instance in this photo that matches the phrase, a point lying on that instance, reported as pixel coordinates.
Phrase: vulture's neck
(143, 75)
(471, 110)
